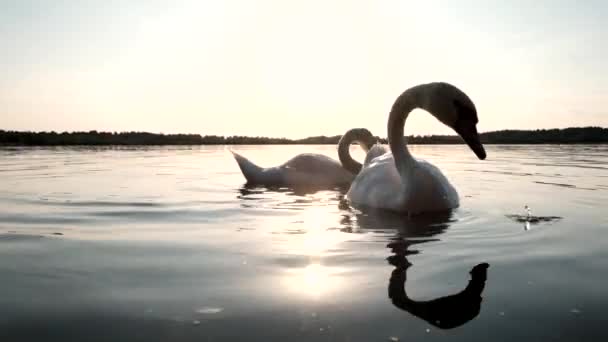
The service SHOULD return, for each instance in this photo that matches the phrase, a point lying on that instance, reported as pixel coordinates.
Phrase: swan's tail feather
(252, 172)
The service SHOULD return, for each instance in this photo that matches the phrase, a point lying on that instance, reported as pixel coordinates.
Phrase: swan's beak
(468, 132)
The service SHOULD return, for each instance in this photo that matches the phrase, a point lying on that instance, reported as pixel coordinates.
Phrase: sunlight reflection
(314, 280)
(318, 238)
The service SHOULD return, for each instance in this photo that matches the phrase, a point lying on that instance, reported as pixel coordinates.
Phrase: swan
(311, 169)
(395, 180)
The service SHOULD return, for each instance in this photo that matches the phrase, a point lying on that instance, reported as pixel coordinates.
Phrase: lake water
(165, 244)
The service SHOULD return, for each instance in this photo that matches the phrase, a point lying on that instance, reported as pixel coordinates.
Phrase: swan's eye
(465, 112)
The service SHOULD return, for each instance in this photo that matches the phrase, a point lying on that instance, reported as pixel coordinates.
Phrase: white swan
(396, 181)
(311, 169)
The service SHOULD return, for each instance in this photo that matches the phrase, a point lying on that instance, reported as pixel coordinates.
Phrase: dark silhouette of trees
(578, 135)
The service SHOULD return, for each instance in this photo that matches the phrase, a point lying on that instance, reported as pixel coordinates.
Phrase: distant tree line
(579, 135)
(574, 135)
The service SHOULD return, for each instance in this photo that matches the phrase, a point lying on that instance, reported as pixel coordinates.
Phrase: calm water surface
(166, 244)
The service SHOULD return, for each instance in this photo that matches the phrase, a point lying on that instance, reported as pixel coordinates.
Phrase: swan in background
(311, 169)
(397, 181)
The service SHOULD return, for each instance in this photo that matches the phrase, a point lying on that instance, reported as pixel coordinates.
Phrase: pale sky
(297, 68)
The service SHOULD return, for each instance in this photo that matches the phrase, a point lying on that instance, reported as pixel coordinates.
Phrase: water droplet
(207, 310)
(428, 330)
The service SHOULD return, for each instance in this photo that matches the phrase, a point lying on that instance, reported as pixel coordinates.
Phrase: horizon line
(271, 137)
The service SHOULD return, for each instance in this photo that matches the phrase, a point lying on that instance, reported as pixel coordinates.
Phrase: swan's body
(311, 169)
(397, 181)
(379, 185)
(303, 169)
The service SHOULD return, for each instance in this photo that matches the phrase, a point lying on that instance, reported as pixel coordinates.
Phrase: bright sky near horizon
(297, 68)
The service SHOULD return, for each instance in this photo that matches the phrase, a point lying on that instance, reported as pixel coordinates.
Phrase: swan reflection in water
(445, 312)
(302, 190)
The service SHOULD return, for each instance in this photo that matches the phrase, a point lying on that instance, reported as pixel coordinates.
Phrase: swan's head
(455, 109)
(361, 136)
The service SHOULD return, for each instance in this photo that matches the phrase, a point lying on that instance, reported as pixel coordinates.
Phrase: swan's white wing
(374, 152)
(437, 188)
(378, 185)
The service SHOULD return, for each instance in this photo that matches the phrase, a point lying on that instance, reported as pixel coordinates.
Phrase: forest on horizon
(574, 135)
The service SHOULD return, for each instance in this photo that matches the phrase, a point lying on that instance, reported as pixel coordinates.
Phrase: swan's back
(315, 169)
(313, 163)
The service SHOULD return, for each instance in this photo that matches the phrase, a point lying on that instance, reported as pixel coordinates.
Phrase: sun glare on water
(315, 279)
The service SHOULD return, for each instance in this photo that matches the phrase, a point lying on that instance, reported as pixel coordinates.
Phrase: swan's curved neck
(347, 161)
(402, 107)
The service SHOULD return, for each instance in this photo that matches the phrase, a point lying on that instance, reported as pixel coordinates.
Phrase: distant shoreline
(574, 135)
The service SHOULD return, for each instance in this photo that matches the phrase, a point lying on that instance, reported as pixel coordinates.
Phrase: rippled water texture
(165, 244)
